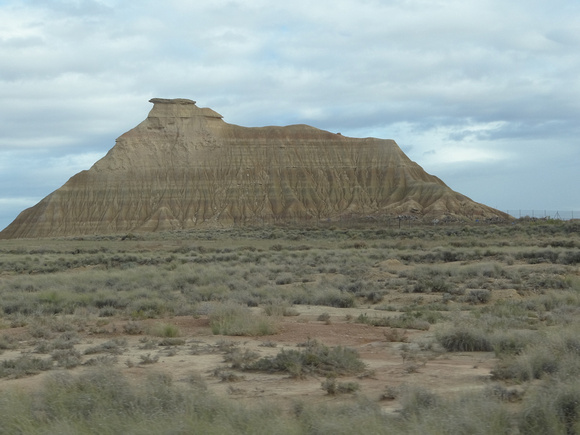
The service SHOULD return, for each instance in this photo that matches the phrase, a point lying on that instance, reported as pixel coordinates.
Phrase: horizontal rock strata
(184, 167)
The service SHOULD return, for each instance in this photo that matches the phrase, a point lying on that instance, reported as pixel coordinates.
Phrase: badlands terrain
(183, 167)
(448, 328)
(204, 277)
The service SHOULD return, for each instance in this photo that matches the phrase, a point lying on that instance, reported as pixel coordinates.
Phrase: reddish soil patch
(389, 364)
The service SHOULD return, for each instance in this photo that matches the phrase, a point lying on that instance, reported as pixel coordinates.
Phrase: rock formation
(184, 167)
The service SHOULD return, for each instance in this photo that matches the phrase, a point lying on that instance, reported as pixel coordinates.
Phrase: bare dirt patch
(198, 352)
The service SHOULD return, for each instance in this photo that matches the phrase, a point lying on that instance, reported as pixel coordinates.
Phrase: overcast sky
(485, 94)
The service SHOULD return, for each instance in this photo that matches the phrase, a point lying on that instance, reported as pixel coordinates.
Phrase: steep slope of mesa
(184, 167)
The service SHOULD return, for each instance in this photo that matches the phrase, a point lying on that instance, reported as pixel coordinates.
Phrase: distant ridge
(184, 167)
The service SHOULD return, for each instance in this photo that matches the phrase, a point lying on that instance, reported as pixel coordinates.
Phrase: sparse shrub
(46, 327)
(18, 321)
(314, 358)
(332, 387)
(556, 354)
(512, 342)
(165, 330)
(147, 343)
(374, 297)
(411, 367)
(478, 296)
(24, 365)
(439, 285)
(226, 345)
(133, 328)
(279, 308)
(148, 359)
(504, 394)
(39, 331)
(105, 401)
(283, 279)
(390, 393)
(197, 382)
(227, 375)
(171, 341)
(531, 365)
(334, 298)
(464, 340)
(44, 346)
(268, 344)
(107, 311)
(240, 359)
(470, 413)
(66, 340)
(7, 342)
(395, 335)
(324, 317)
(569, 257)
(552, 408)
(146, 308)
(67, 358)
(234, 319)
(102, 360)
(416, 400)
(403, 321)
(116, 346)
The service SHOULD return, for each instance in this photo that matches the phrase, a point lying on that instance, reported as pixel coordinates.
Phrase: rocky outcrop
(184, 167)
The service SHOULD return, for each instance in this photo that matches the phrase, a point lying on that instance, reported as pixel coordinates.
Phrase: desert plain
(448, 328)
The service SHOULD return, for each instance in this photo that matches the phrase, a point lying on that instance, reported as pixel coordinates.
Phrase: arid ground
(403, 324)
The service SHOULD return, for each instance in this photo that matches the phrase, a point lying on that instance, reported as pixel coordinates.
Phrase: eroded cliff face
(184, 167)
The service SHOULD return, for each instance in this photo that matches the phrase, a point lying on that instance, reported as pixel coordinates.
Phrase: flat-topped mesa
(178, 108)
(184, 167)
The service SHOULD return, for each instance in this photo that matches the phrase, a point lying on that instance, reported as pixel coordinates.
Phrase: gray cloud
(488, 85)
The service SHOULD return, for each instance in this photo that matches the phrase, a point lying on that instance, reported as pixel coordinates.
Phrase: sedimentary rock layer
(184, 167)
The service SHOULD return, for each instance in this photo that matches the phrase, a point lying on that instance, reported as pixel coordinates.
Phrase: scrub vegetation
(80, 314)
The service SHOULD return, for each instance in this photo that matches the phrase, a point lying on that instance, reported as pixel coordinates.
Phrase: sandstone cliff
(184, 167)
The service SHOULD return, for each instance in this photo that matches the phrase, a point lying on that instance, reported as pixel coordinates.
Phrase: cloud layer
(484, 94)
